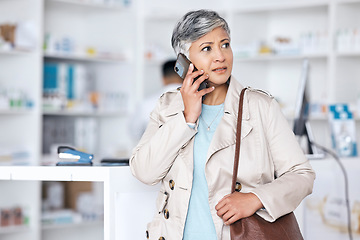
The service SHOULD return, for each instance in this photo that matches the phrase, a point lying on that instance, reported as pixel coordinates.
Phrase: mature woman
(189, 145)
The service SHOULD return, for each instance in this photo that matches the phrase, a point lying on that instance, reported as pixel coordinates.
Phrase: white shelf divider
(85, 58)
(348, 54)
(273, 57)
(89, 4)
(265, 6)
(48, 227)
(16, 52)
(84, 113)
(16, 112)
(14, 229)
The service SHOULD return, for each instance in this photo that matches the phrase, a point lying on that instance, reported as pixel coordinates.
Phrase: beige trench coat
(271, 165)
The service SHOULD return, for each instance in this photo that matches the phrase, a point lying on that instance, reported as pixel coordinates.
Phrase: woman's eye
(206, 49)
(226, 45)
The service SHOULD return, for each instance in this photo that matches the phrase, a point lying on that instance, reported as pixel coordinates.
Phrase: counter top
(102, 173)
(61, 173)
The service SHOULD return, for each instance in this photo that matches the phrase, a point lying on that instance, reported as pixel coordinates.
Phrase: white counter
(324, 214)
(57, 173)
(128, 203)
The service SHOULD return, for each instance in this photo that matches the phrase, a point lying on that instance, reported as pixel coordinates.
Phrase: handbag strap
(238, 140)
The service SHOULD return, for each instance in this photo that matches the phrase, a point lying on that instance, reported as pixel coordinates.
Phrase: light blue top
(199, 223)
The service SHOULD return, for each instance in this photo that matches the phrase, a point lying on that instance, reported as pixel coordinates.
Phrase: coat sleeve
(159, 146)
(294, 176)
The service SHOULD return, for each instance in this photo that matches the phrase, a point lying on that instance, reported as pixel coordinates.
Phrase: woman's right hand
(192, 98)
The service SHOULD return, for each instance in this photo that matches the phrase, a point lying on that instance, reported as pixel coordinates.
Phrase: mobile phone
(182, 66)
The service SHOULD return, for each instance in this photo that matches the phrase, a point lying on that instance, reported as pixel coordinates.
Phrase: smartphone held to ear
(182, 66)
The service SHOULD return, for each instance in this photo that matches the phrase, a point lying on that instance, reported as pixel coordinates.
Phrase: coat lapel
(225, 134)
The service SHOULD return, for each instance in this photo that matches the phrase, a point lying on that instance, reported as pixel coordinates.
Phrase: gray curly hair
(192, 26)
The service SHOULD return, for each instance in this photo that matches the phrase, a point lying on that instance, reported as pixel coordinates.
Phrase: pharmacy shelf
(16, 112)
(16, 52)
(14, 229)
(161, 15)
(161, 10)
(272, 57)
(348, 54)
(96, 59)
(84, 113)
(326, 118)
(264, 6)
(317, 117)
(320, 117)
(347, 1)
(48, 227)
(156, 62)
(89, 4)
(90, 24)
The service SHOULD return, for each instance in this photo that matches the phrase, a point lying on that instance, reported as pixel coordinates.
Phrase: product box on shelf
(343, 130)
(69, 203)
(20, 36)
(11, 155)
(13, 216)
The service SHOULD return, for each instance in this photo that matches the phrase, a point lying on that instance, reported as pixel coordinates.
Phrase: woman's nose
(219, 56)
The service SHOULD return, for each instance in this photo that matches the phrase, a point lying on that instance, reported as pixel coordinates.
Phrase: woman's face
(212, 53)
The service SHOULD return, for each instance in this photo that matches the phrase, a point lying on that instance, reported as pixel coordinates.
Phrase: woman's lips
(220, 70)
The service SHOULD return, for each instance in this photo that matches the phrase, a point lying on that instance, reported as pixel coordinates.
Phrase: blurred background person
(140, 116)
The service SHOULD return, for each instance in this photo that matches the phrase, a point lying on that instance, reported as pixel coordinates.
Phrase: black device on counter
(115, 162)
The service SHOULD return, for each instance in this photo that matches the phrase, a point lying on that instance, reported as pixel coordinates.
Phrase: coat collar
(225, 134)
(230, 106)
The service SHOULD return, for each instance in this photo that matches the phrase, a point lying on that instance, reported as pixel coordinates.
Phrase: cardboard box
(72, 190)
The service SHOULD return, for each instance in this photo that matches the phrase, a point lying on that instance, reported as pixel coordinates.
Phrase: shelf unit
(109, 68)
(104, 29)
(27, 80)
(21, 128)
(138, 36)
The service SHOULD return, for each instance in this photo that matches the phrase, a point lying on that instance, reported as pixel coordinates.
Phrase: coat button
(161, 238)
(147, 234)
(238, 187)
(171, 184)
(166, 214)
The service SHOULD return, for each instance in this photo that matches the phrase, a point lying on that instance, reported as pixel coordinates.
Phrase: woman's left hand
(237, 205)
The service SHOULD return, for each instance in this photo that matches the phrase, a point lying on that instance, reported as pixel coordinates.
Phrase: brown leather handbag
(255, 227)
